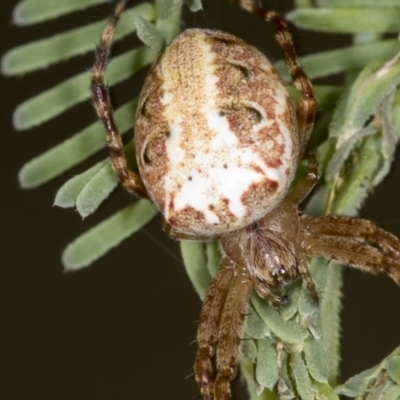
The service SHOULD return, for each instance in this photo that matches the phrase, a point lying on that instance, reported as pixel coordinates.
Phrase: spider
(218, 143)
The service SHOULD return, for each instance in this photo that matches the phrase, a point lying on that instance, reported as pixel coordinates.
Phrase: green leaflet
(358, 3)
(325, 391)
(303, 382)
(248, 349)
(194, 5)
(195, 262)
(149, 34)
(267, 370)
(356, 188)
(366, 94)
(315, 359)
(342, 60)
(350, 20)
(42, 53)
(68, 193)
(287, 331)
(88, 190)
(393, 369)
(73, 150)
(53, 102)
(330, 274)
(167, 7)
(106, 235)
(256, 328)
(96, 191)
(213, 257)
(33, 11)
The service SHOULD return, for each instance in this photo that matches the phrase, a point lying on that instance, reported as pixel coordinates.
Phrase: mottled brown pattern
(265, 188)
(184, 217)
(244, 87)
(151, 131)
(260, 84)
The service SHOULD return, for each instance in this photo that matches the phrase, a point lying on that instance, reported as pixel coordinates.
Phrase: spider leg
(101, 99)
(208, 329)
(307, 105)
(359, 228)
(231, 332)
(306, 276)
(302, 188)
(352, 241)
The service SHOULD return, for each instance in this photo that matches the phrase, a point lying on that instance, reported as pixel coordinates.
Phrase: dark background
(123, 328)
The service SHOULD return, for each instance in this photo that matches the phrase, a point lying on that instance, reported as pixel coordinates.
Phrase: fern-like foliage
(293, 353)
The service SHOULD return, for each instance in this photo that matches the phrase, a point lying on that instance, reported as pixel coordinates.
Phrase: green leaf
(345, 107)
(288, 331)
(356, 385)
(267, 370)
(96, 190)
(194, 5)
(213, 257)
(342, 153)
(389, 135)
(348, 59)
(68, 193)
(167, 7)
(149, 34)
(42, 53)
(63, 96)
(391, 393)
(354, 20)
(303, 381)
(195, 262)
(331, 305)
(393, 368)
(73, 150)
(357, 185)
(29, 12)
(248, 349)
(315, 359)
(368, 91)
(325, 391)
(99, 240)
(256, 328)
(358, 3)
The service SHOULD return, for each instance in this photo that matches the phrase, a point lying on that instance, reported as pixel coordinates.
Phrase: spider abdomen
(215, 133)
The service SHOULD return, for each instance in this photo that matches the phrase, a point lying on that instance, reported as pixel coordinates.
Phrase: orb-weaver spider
(218, 143)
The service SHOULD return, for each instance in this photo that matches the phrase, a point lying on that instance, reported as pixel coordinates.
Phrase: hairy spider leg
(101, 99)
(353, 241)
(208, 329)
(231, 332)
(302, 187)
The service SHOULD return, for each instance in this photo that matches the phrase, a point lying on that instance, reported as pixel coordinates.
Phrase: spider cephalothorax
(218, 144)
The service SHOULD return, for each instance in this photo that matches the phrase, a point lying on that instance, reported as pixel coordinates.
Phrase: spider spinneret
(218, 144)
